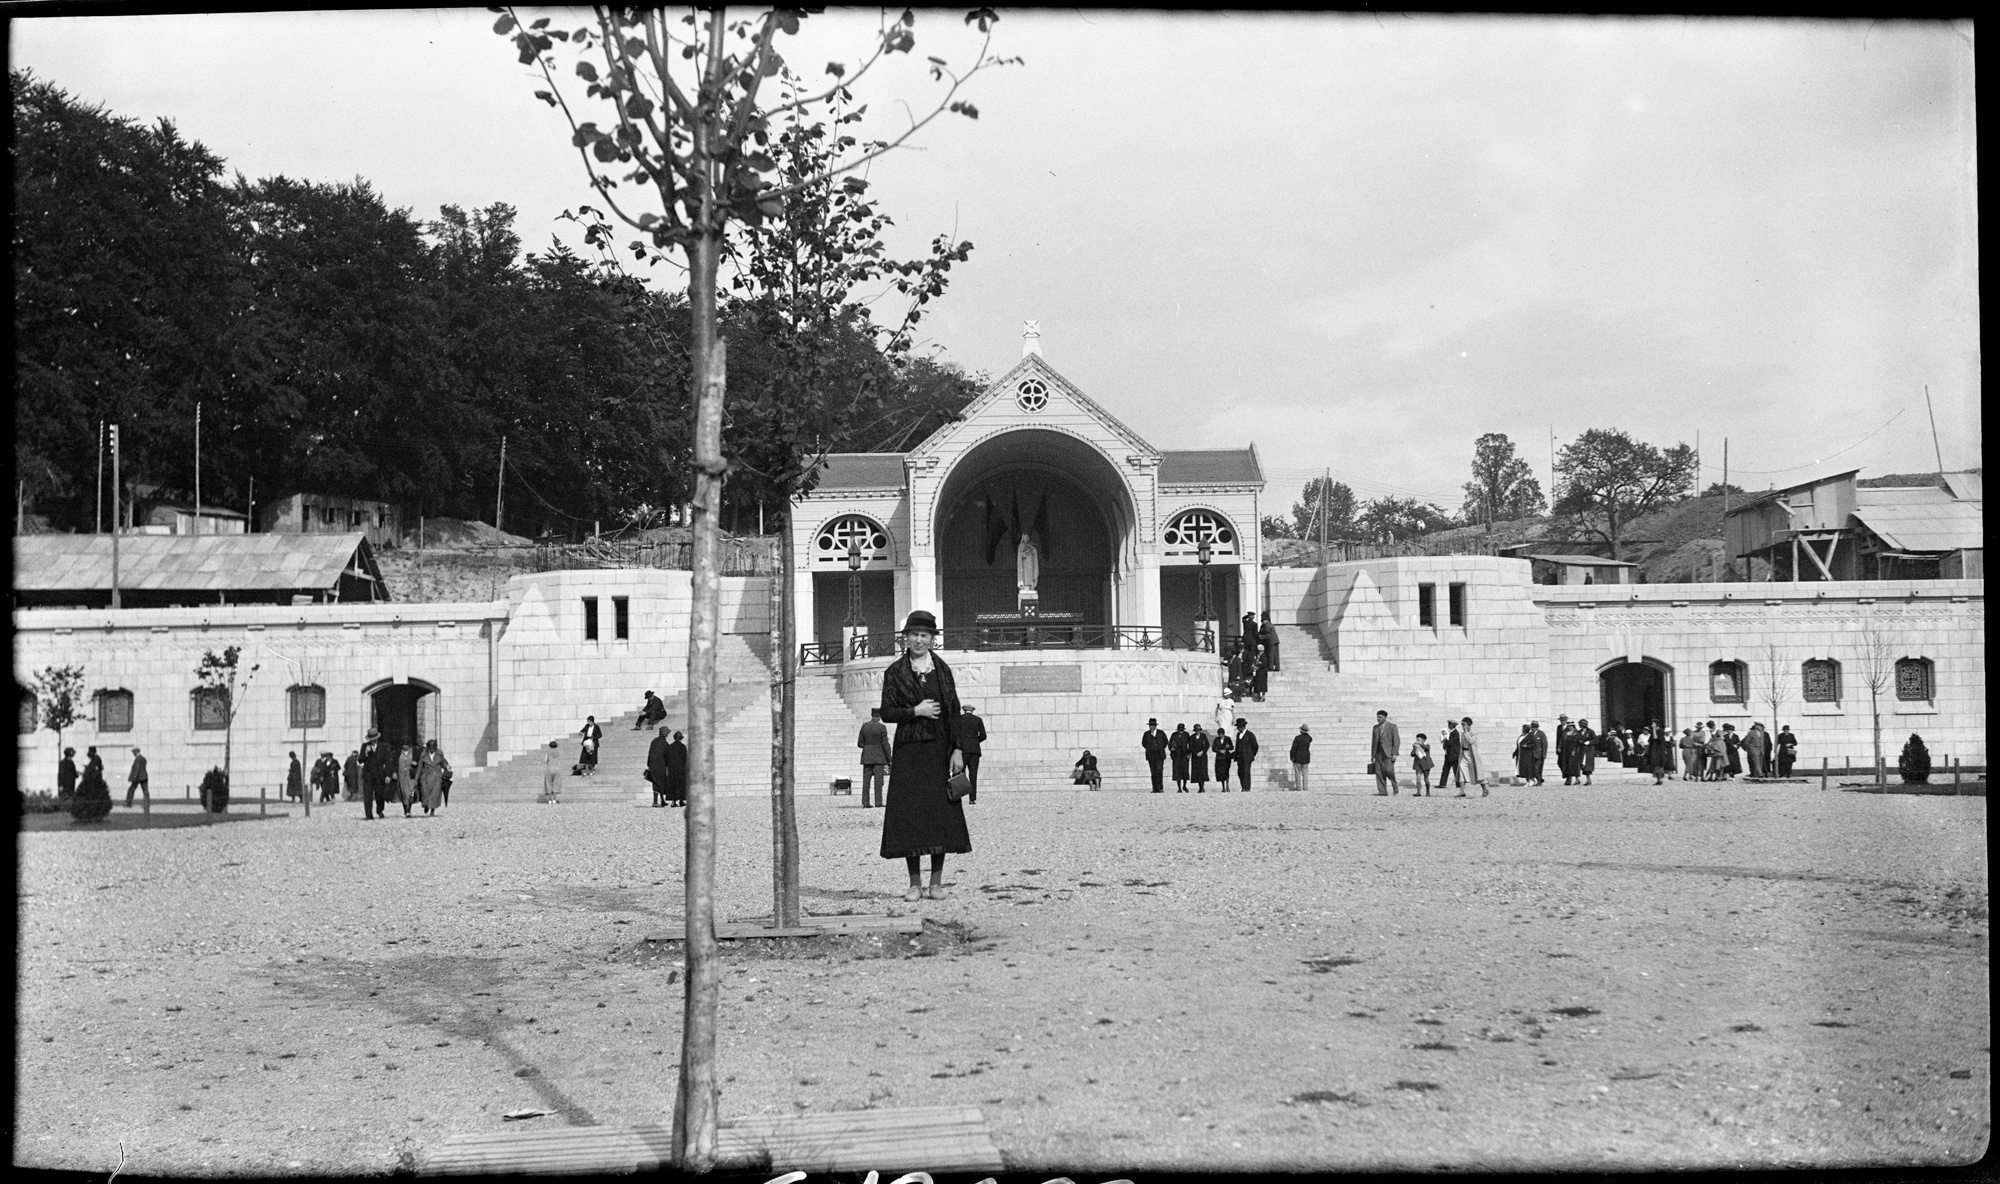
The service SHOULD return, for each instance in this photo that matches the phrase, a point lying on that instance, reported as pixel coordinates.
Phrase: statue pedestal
(1030, 602)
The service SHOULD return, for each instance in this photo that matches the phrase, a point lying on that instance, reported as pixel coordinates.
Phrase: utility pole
(114, 516)
(250, 508)
(197, 466)
(97, 523)
(1552, 465)
(1725, 505)
(1934, 435)
(500, 493)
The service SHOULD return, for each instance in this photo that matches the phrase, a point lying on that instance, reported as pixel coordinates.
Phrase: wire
(1822, 460)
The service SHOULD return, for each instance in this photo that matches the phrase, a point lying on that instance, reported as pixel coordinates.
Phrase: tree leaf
(586, 71)
(504, 26)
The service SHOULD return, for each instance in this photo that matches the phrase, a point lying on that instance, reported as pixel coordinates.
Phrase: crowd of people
(376, 774)
(1253, 659)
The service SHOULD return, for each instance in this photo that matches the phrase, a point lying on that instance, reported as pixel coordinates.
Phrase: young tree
(1502, 485)
(59, 691)
(691, 131)
(1335, 498)
(220, 677)
(1606, 478)
(1777, 685)
(1877, 662)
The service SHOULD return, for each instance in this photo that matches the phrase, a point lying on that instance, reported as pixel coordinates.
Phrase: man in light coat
(1384, 747)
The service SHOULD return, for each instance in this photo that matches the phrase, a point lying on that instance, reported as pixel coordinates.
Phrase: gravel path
(1622, 975)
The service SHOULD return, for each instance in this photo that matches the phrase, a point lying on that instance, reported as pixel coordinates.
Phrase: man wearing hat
(1153, 742)
(970, 732)
(1566, 749)
(1246, 753)
(377, 767)
(1302, 755)
(136, 780)
(1385, 745)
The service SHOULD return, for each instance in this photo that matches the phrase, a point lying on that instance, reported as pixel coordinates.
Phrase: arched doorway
(406, 712)
(1635, 694)
(1056, 489)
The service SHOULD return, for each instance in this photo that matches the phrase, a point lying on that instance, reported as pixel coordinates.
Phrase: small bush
(92, 800)
(215, 790)
(43, 801)
(1915, 763)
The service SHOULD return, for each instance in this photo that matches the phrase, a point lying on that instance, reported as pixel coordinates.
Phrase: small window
(1727, 682)
(1427, 615)
(31, 712)
(590, 618)
(211, 709)
(1822, 680)
(381, 516)
(1913, 679)
(1457, 604)
(621, 617)
(308, 706)
(114, 711)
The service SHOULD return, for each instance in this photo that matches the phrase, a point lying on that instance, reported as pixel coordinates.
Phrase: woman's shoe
(914, 893)
(934, 892)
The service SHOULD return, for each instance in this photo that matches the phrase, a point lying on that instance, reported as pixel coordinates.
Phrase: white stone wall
(345, 648)
(551, 677)
(1691, 625)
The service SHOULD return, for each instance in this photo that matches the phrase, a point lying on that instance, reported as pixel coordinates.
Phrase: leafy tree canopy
(1605, 479)
(1502, 485)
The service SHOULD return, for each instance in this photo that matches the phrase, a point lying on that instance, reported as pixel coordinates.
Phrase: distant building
(1580, 569)
(327, 513)
(165, 571)
(1835, 528)
(168, 518)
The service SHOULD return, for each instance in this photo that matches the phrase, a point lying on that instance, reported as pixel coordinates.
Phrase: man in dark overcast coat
(970, 732)
(1153, 742)
(1246, 753)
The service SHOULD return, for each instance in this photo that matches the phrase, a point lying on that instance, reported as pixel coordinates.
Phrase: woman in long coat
(920, 697)
(1586, 751)
(406, 778)
(431, 775)
(1734, 744)
(295, 785)
(1225, 751)
(1524, 754)
(1198, 759)
(1177, 748)
(677, 771)
(1659, 756)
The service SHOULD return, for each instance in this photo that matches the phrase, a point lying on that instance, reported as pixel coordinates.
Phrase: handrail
(1019, 637)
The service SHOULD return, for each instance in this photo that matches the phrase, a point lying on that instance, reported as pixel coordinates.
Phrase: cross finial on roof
(1031, 338)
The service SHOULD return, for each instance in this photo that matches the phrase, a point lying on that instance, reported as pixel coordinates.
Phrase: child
(551, 780)
(1420, 760)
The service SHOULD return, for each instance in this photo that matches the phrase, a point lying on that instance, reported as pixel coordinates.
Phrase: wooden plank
(928, 1138)
(737, 931)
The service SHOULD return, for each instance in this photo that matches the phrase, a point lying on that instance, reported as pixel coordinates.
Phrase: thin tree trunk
(694, 1137)
(788, 667)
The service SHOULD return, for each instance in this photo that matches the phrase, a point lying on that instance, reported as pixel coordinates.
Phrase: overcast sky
(1359, 242)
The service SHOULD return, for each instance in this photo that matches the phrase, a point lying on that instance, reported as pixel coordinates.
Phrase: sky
(1357, 242)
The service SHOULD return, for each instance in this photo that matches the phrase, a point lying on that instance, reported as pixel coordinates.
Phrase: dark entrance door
(1633, 695)
(398, 712)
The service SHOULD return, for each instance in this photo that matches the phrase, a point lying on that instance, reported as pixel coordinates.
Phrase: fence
(738, 557)
(1055, 636)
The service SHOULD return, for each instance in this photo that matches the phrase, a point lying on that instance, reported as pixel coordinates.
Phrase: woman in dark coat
(1198, 759)
(1524, 755)
(66, 774)
(677, 772)
(1225, 752)
(1734, 744)
(1659, 755)
(1177, 748)
(920, 697)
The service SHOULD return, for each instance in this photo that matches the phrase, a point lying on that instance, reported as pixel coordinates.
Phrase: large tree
(1334, 499)
(1397, 519)
(684, 155)
(1502, 485)
(1606, 478)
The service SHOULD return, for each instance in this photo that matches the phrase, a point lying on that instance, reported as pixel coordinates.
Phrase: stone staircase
(1339, 708)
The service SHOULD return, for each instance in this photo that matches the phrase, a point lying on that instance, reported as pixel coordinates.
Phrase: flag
(996, 526)
(1041, 529)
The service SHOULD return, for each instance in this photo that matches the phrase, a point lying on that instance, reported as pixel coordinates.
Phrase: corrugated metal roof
(187, 563)
(862, 470)
(1936, 528)
(1582, 560)
(1966, 487)
(1901, 495)
(1211, 466)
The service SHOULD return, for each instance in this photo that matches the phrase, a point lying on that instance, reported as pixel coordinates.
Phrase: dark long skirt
(920, 818)
(1180, 766)
(1198, 766)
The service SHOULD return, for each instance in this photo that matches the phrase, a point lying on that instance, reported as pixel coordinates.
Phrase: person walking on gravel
(1246, 753)
(677, 772)
(1420, 764)
(1302, 755)
(551, 774)
(1468, 756)
(920, 697)
(875, 747)
(135, 781)
(1225, 751)
(1177, 748)
(1659, 756)
(1788, 750)
(1453, 748)
(1385, 748)
(431, 775)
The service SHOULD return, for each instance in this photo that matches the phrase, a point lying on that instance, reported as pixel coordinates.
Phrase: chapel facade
(1035, 509)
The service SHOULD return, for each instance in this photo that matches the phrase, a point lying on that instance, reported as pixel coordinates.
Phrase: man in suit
(656, 768)
(1267, 635)
(969, 730)
(1565, 749)
(1302, 755)
(875, 752)
(1385, 746)
(1246, 753)
(1153, 742)
(136, 780)
(380, 766)
(1452, 747)
(1539, 747)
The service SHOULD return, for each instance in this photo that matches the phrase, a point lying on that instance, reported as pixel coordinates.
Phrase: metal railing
(1021, 637)
(738, 557)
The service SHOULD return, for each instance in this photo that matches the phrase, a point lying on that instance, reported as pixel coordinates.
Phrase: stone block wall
(1688, 626)
(551, 676)
(347, 649)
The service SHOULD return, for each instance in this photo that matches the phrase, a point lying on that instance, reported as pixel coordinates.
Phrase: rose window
(1032, 394)
(835, 538)
(1185, 534)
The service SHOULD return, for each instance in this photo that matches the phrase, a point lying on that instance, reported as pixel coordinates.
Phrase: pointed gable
(1034, 395)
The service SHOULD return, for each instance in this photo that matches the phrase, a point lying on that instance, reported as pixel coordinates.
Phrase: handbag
(958, 786)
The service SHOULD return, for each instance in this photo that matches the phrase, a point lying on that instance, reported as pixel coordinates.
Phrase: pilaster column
(1148, 580)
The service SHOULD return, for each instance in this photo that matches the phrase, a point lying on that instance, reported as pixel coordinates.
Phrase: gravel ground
(1602, 977)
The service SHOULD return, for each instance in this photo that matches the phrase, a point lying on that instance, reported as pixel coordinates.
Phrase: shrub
(1915, 763)
(42, 801)
(92, 800)
(215, 790)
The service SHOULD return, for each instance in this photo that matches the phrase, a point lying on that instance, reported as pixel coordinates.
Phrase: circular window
(1032, 394)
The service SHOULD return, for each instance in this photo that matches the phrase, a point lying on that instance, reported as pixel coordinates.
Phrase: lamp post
(855, 630)
(1205, 625)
